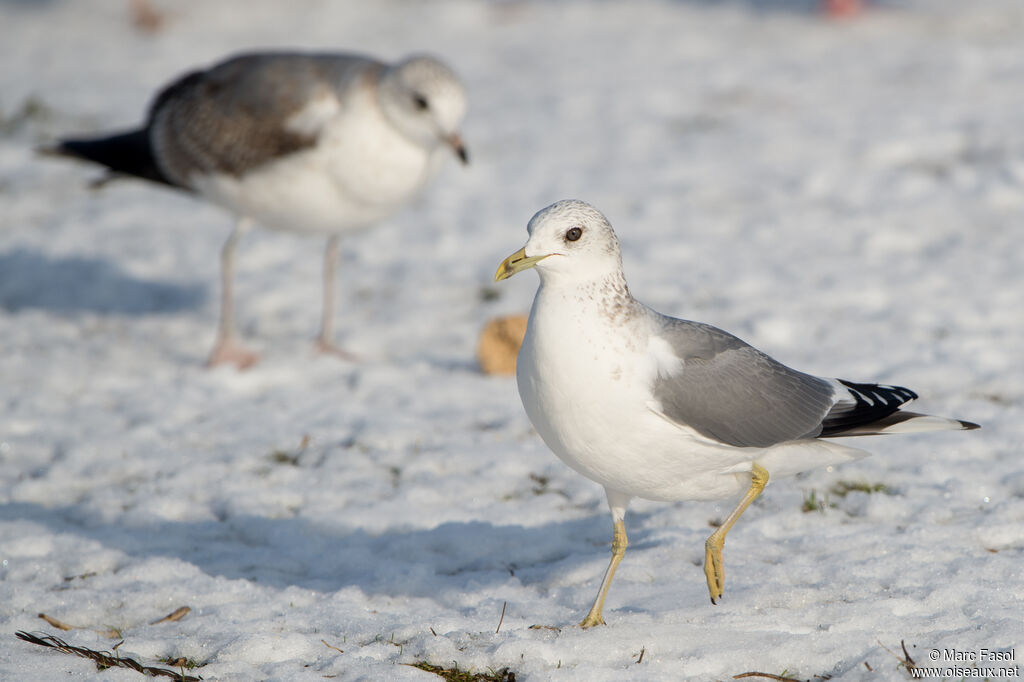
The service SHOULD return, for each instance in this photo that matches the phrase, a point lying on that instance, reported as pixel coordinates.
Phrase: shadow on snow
(318, 556)
(30, 280)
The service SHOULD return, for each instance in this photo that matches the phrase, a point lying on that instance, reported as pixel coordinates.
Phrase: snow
(846, 195)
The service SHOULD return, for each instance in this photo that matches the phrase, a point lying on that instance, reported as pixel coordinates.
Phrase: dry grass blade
(502, 619)
(767, 676)
(175, 615)
(910, 663)
(906, 661)
(56, 623)
(331, 646)
(103, 659)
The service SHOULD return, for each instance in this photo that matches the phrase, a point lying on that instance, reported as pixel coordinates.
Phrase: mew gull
(314, 143)
(659, 408)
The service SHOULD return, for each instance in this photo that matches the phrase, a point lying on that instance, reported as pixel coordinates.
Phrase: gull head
(425, 100)
(569, 238)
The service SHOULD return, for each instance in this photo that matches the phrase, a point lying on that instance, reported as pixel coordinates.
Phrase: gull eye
(420, 101)
(573, 234)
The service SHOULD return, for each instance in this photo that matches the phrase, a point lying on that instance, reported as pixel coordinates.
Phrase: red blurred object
(842, 9)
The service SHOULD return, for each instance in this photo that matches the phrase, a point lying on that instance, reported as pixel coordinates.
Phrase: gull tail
(905, 422)
(871, 409)
(128, 153)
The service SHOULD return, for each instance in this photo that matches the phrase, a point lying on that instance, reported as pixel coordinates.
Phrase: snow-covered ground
(848, 196)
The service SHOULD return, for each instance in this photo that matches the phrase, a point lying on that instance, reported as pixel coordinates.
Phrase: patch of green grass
(32, 109)
(843, 488)
(181, 662)
(282, 457)
(813, 503)
(454, 674)
(291, 457)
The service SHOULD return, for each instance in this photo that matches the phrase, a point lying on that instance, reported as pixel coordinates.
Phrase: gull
(320, 143)
(660, 408)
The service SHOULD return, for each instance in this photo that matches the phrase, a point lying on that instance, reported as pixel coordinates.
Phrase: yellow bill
(517, 262)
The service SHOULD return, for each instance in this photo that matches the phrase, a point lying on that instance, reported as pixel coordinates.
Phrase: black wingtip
(124, 154)
(968, 426)
(873, 403)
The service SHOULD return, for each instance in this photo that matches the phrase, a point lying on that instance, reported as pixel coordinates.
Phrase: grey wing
(234, 116)
(731, 392)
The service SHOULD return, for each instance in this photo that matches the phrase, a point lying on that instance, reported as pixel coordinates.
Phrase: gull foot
(329, 348)
(230, 352)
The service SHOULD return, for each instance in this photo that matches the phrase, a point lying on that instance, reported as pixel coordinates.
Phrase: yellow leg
(619, 543)
(713, 570)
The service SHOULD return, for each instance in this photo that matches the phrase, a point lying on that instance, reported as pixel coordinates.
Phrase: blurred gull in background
(314, 143)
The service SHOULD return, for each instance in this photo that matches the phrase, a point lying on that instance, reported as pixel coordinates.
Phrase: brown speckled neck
(611, 297)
